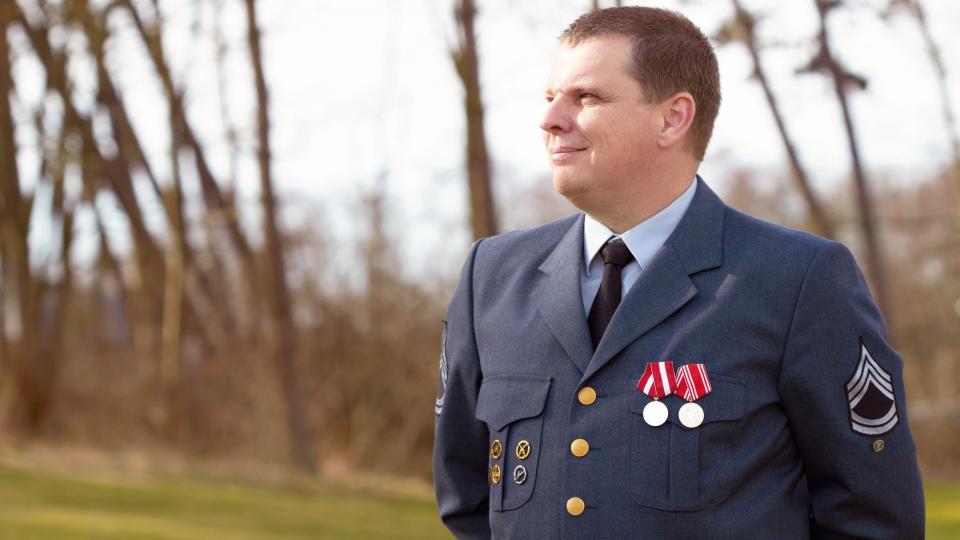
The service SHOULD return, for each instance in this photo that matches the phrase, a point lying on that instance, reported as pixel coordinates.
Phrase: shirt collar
(644, 239)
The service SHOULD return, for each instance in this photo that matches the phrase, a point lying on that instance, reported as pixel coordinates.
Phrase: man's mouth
(560, 152)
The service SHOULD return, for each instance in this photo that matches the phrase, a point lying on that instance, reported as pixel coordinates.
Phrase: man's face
(599, 133)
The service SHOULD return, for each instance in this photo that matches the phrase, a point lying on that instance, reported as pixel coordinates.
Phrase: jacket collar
(663, 288)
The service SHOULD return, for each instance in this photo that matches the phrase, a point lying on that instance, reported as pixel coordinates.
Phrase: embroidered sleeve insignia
(873, 408)
(442, 384)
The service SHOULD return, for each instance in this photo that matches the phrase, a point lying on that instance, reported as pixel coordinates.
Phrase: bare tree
(40, 366)
(180, 268)
(916, 11)
(825, 61)
(482, 208)
(105, 171)
(54, 290)
(743, 29)
(16, 283)
(284, 333)
(220, 208)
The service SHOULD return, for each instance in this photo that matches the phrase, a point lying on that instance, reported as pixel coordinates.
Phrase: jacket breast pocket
(675, 468)
(512, 407)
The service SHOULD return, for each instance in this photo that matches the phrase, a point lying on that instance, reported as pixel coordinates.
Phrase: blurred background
(229, 230)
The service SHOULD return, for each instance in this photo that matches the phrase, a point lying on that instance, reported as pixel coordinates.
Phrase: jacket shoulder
(747, 234)
(525, 245)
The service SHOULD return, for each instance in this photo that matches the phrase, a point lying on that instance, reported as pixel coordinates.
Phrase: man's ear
(678, 113)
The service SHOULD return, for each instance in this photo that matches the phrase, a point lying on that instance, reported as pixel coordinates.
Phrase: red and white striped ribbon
(658, 380)
(692, 382)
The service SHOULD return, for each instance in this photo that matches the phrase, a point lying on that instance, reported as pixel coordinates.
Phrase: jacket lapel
(665, 285)
(558, 298)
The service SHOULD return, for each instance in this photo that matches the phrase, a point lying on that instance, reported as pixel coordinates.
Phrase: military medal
(690, 414)
(657, 381)
(692, 384)
(519, 474)
(523, 449)
(496, 448)
(495, 474)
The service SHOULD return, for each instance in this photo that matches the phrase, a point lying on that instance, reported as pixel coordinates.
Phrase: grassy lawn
(42, 506)
(943, 511)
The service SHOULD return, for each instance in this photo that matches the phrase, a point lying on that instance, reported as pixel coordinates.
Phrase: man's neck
(651, 197)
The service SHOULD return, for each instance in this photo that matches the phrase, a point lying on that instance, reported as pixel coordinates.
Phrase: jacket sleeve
(460, 440)
(836, 381)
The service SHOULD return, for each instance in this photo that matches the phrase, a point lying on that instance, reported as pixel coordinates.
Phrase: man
(663, 366)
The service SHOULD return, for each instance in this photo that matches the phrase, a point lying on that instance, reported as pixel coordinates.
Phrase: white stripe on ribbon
(664, 379)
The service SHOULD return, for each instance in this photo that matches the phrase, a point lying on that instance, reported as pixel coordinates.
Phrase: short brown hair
(670, 55)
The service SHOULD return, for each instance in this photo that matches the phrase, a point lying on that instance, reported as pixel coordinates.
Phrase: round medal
(655, 413)
(691, 415)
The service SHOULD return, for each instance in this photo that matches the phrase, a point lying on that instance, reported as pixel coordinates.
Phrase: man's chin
(572, 189)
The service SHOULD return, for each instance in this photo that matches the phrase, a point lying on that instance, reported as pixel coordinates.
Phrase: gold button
(523, 449)
(495, 474)
(579, 447)
(496, 449)
(878, 445)
(575, 506)
(587, 395)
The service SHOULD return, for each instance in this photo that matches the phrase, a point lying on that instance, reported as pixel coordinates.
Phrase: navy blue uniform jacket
(797, 441)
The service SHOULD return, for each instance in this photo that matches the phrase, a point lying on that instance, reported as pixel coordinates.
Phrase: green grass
(943, 511)
(43, 506)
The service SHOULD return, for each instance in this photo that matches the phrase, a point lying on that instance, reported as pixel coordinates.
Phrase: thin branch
(748, 36)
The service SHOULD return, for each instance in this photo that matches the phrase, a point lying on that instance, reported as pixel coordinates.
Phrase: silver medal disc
(691, 415)
(655, 413)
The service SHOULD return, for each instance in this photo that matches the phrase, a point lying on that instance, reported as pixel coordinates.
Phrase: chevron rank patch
(873, 408)
(442, 383)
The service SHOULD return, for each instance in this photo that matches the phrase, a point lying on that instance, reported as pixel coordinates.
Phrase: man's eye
(587, 97)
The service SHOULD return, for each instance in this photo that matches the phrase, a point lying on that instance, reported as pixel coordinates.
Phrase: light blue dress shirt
(643, 241)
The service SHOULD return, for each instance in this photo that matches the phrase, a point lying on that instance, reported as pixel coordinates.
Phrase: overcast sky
(366, 86)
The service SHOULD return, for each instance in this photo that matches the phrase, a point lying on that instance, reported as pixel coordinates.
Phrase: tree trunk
(220, 209)
(841, 78)
(99, 167)
(482, 208)
(949, 117)
(284, 333)
(16, 281)
(818, 217)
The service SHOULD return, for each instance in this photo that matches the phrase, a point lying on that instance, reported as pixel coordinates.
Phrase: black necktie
(615, 256)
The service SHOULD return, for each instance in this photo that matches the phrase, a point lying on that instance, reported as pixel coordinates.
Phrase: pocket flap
(507, 398)
(724, 402)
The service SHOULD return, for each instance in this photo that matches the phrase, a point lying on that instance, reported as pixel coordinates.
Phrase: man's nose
(556, 117)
